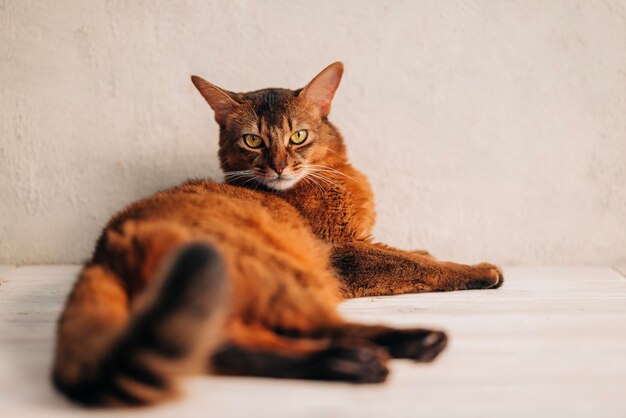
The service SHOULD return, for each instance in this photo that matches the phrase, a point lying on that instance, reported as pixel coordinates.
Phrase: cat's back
(225, 214)
(201, 203)
(258, 233)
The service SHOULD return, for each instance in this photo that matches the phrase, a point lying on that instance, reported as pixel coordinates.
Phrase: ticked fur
(244, 278)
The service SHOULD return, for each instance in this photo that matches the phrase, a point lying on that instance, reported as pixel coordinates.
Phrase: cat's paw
(421, 345)
(356, 364)
(488, 276)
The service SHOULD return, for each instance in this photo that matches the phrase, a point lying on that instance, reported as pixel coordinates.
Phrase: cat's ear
(321, 89)
(221, 101)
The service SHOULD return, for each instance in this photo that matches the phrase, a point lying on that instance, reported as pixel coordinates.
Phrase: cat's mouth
(282, 182)
(271, 180)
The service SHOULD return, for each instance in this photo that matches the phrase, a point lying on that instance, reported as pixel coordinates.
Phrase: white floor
(551, 342)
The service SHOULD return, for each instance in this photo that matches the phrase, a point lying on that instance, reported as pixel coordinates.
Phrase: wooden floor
(551, 342)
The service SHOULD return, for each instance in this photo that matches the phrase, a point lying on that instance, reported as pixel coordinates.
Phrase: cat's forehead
(272, 110)
(272, 106)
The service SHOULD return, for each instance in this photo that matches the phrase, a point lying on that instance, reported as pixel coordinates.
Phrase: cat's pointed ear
(321, 89)
(221, 101)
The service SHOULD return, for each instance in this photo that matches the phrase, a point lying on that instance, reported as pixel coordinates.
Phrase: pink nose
(278, 167)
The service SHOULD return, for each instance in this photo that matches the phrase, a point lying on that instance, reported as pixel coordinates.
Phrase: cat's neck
(336, 155)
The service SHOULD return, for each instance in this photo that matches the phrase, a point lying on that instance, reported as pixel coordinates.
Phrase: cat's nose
(278, 167)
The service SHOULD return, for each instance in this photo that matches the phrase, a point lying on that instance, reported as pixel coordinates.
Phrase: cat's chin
(280, 183)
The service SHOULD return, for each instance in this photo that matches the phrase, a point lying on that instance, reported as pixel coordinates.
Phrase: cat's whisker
(330, 170)
(253, 179)
(309, 180)
(334, 152)
(238, 172)
(306, 181)
(326, 167)
(315, 173)
(239, 177)
(324, 179)
(316, 184)
(320, 171)
(328, 174)
(232, 179)
(326, 182)
(231, 173)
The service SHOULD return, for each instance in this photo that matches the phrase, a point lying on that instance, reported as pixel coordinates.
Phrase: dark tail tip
(195, 279)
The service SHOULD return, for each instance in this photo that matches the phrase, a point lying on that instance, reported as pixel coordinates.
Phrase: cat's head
(276, 137)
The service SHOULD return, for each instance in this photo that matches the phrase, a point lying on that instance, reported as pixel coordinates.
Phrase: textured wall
(490, 130)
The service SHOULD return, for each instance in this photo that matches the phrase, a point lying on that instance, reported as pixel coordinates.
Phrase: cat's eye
(299, 137)
(252, 141)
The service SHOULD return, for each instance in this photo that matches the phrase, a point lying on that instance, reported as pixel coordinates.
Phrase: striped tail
(109, 355)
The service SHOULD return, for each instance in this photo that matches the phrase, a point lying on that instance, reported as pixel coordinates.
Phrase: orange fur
(293, 241)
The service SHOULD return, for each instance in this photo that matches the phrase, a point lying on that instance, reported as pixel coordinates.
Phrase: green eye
(299, 137)
(252, 141)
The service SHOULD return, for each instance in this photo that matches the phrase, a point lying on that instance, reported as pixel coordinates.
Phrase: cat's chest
(335, 213)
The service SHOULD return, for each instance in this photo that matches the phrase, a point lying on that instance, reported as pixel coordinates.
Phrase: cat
(244, 278)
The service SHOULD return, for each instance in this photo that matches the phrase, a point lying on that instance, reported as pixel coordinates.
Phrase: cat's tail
(109, 353)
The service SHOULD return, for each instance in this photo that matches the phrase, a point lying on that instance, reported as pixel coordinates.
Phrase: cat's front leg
(369, 269)
(423, 253)
(415, 252)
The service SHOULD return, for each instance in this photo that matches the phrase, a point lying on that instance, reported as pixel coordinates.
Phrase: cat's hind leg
(114, 352)
(419, 344)
(263, 353)
(423, 253)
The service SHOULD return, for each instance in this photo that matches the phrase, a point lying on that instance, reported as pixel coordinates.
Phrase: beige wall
(489, 129)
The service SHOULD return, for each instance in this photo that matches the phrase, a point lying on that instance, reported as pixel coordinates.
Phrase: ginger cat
(244, 278)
